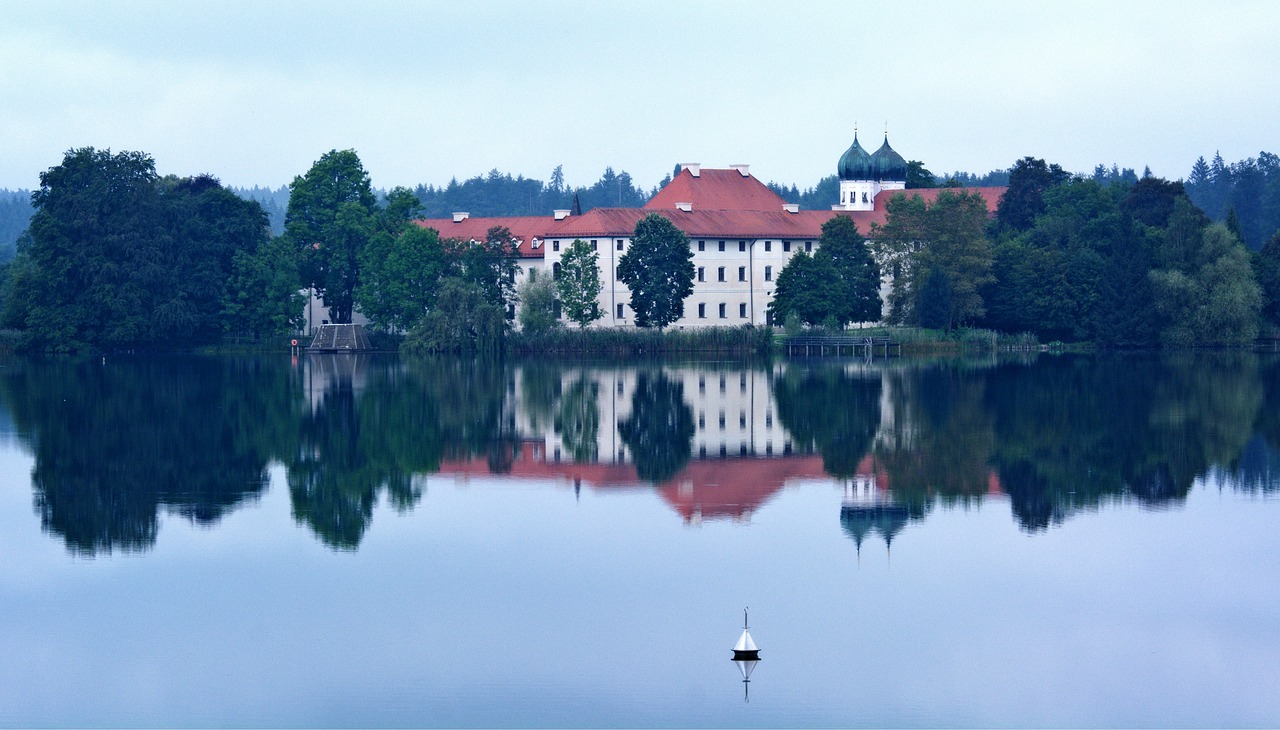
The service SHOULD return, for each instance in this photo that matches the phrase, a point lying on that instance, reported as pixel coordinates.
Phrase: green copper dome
(855, 163)
(887, 164)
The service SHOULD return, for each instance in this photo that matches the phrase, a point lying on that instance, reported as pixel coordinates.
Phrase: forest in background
(1249, 187)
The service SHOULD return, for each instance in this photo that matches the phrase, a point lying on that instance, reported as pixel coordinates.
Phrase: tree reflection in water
(115, 442)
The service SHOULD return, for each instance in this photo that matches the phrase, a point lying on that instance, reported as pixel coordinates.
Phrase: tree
(918, 176)
(807, 288)
(491, 266)
(658, 269)
(118, 257)
(948, 235)
(463, 320)
(1211, 297)
(538, 304)
(1024, 199)
(1266, 267)
(855, 268)
(332, 213)
(401, 274)
(578, 283)
(263, 292)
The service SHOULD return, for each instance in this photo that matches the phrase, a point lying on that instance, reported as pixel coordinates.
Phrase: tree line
(116, 256)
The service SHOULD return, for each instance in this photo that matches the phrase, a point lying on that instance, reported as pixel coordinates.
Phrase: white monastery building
(741, 232)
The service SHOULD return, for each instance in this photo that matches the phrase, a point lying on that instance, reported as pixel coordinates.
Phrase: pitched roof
(524, 229)
(715, 190)
(701, 222)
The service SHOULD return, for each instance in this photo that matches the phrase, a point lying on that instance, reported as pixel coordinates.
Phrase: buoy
(745, 649)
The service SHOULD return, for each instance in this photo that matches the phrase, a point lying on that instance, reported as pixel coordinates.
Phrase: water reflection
(116, 442)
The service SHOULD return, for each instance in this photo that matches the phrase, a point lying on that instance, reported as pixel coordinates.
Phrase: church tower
(863, 176)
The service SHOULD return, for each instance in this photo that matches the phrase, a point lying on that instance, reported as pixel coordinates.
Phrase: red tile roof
(701, 222)
(523, 228)
(715, 190)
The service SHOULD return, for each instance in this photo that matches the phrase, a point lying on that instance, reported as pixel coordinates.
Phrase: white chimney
(562, 214)
(791, 207)
(460, 217)
(686, 207)
(742, 169)
(694, 168)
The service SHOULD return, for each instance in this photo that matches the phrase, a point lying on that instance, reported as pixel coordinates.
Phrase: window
(702, 314)
(555, 245)
(617, 274)
(742, 246)
(742, 382)
(808, 246)
(723, 451)
(702, 273)
(702, 419)
(722, 310)
(722, 388)
(702, 245)
(768, 419)
(559, 310)
(742, 273)
(619, 244)
(742, 310)
(786, 247)
(742, 448)
(555, 270)
(768, 245)
(722, 245)
(742, 419)
(721, 420)
(768, 273)
(702, 451)
(620, 315)
(594, 245)
(619, 387)
(768, 448)
(702, 384)
(719, 274)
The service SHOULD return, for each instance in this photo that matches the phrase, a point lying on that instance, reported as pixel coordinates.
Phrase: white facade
(733, 284)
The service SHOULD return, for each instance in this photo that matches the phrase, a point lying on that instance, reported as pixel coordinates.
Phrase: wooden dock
(809, 346)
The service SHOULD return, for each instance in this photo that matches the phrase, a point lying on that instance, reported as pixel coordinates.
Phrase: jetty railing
(811, 345)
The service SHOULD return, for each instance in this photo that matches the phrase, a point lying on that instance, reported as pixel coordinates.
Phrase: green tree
(332, 213)
(808, 288)
(537, 311)
(658, 269)
(856, 271)
(918, 176)
(1213, 298)
(117, 257)
(1266, 267)
(491, 266)
(896, 245)
(1029, 179)
(463, 320)
(578, 283)
(264, 295)
(401, 274)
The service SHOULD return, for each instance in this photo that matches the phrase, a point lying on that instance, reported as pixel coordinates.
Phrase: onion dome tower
(889, 169)
(856, 171)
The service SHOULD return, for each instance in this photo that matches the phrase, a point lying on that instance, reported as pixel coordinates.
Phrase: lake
(340, 541)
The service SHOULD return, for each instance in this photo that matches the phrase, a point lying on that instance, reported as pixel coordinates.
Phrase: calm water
(1065, 541)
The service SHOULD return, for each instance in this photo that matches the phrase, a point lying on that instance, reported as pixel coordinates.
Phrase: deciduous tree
(578, 284)
(658, 269)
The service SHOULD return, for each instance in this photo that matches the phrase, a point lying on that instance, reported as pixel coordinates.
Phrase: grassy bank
(920, 341)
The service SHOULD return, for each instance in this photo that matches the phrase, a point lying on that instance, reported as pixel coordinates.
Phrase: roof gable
(715, 190)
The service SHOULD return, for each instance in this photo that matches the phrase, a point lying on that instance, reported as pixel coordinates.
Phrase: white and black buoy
(746, 655)
(745, 649)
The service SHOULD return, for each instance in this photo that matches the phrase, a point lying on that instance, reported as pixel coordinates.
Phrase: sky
(255, 92)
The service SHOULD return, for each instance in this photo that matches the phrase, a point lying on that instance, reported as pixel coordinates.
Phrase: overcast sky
(253, 92)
